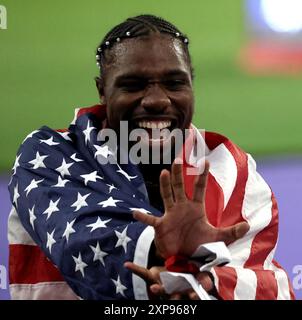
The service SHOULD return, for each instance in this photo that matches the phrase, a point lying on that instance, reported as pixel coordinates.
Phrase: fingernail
(178, 161)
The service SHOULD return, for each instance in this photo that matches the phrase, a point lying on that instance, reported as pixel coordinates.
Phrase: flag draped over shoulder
(78, 211)
(71, 225)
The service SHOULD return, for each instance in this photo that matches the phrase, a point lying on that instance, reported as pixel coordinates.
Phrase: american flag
(71, 225)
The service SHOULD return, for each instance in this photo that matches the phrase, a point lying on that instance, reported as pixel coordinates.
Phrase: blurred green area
(47, 68)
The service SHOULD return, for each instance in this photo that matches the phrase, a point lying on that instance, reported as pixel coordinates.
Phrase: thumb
(235, 232)
(145, 218)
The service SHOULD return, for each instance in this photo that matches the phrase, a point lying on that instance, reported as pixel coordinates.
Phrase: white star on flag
(140, 209)
(120, 288)
(63, 169)
(61, 182)
(32, 216)
(33, 184)
(91, 177)
(50, 240)
(123, 239)
(51, 208)
(110, 202)
(98, 224)
(80, 201)
(65, 135)
(16, 194)
(74, 157)
(102, 151)
(49, 141)
(87, 132)
(16, 164)
(125, 174)
(98, 254)
(30, 135)
(69, 229)
(38, 161)
(111, 187)
(80, 264)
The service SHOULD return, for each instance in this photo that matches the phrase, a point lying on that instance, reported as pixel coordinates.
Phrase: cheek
(117, 109)
(186, 104)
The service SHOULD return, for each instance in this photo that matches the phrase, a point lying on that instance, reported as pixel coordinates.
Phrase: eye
(174, 84)
(132, 86)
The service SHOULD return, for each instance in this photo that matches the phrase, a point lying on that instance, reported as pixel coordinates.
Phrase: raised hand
(184, 225)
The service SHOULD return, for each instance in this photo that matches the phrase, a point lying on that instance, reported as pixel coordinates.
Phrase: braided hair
(138, 26)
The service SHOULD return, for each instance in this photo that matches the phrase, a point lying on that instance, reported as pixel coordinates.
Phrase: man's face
(148, 83)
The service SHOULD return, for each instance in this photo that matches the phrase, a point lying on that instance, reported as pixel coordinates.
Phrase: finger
(157, 289)
(205, 280)
(178, 182)
(175, 296)
(166, 189)
(193, 295)
(233, 233)
(145, 218)
(200, 184)
(139, 271)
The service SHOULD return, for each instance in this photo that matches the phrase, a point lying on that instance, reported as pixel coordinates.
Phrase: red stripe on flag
(214, 201)
(233, 211)
(233, 215)
(262, 245)
(97, 110)
(29, 265)
(267, 287)
(214, 196)
(227, 280)
(264, 241)
(214, 193)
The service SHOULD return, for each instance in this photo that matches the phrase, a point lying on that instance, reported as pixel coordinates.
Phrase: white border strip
(16, 232)
(246, 284)
(224, 169)
(141, 258)
(42, 291)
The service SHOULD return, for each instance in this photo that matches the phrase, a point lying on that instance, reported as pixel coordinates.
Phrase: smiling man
(93, 228)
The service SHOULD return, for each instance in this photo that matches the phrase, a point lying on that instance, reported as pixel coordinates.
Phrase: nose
(155, 99)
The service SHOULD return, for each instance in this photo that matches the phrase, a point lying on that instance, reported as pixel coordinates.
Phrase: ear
(100, 86)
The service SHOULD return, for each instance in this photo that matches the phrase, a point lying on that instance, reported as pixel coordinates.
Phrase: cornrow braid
(136, 27)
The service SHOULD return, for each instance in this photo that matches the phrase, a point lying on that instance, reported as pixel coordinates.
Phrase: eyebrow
(143, 76)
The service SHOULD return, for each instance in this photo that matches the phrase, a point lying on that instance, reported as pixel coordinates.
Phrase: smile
(154, 124)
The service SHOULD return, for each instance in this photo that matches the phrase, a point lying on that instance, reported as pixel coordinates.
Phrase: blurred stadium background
(244, 88)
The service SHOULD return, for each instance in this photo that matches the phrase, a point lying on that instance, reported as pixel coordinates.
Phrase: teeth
(154, 124)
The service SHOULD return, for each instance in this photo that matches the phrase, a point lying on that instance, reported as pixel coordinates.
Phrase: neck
(152, 172)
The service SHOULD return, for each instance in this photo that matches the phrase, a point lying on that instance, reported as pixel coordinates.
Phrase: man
(109, 228)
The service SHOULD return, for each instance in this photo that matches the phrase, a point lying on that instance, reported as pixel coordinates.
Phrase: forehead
(152, 55)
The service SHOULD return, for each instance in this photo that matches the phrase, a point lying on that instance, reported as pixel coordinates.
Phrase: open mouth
(159, 123)
(157, 129)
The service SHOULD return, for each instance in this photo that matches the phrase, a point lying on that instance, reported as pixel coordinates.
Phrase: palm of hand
(184, 225)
